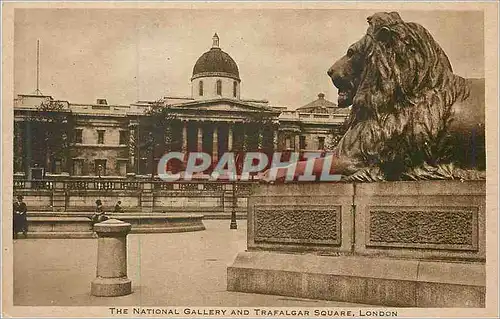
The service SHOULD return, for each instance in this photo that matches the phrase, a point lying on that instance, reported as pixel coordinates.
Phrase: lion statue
(411, 116)
(408, 109)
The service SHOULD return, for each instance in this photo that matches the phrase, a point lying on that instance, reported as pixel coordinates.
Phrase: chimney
(102, 102)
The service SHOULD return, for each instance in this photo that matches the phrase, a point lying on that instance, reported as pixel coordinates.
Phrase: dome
(216, 62)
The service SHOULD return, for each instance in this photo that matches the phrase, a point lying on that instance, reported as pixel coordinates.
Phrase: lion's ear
(384, 34)
(394, 15)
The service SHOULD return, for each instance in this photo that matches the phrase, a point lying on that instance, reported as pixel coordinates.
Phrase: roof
(216, 62)
(320, 105)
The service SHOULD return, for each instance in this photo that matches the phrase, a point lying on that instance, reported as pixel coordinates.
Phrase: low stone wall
(59, 227)
(414, 244)
(212, 199)
(52, 225)
(171, 223)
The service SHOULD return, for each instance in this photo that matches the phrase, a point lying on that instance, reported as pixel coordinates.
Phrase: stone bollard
(111, 277)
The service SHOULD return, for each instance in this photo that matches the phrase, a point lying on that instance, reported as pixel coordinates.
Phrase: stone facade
(109, 140)
(53, 137)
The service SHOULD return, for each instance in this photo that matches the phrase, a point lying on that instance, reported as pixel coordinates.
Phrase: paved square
(180, 269)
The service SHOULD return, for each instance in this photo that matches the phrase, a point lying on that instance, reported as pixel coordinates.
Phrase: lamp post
(233, 224)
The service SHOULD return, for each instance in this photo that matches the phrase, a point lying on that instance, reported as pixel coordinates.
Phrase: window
(302, 142)
(123, 138)
(77, 167)
(321, 143)
(37, 173)
(100, 136)
(288, 143)
(200, 88)
(78, 136)
(122, 167)
(219, 87)
(57, 166)
(235, 89)
(100, 167)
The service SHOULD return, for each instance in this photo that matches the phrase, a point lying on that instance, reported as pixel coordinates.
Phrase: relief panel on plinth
(454, 228)
(311, 224)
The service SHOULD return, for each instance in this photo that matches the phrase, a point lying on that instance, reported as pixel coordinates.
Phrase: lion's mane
(402, 108)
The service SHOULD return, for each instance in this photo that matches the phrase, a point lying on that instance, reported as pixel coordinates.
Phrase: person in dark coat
(118, 207)
(99, 215)
(20, 220)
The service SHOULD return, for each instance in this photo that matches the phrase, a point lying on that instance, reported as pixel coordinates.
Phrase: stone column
(296, 142)
(132, 147)
(66, 144)
(230, 138)
(244, 145)
(215, 146)
(111, 279)
(28, 139)
(184, 137)
(275, 140)
(167, 139)
(200, 138)
(260, 139)
(18, 147)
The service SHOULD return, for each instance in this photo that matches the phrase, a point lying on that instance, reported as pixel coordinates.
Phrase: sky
(126, 55)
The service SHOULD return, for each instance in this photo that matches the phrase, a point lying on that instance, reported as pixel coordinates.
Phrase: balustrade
(42, 184)
(68, 195)
(128, 185)
(77, 185)
(19, 184)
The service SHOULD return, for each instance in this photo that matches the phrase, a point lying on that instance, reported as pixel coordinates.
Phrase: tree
(156, 133)
(49, 129)
(257, 125)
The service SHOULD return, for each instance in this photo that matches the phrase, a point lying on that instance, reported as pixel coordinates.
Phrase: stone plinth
(407, 244)
(111, 277)
(358, 279)
(301, 217)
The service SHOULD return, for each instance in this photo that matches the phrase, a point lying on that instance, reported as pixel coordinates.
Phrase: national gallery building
(59, 138)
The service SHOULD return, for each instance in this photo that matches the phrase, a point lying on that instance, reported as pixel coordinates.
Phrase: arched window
(219, 87)
(200, 88)
(235, 88)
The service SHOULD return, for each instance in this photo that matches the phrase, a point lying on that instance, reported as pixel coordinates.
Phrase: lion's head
(395, 64)
(401, 87)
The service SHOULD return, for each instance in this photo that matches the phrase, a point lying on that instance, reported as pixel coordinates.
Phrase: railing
(218, 197)
(120, 185)
(33, 184)
(19, 184)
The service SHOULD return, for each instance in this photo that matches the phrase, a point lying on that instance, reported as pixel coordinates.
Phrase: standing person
(20, 220)
(118, 207)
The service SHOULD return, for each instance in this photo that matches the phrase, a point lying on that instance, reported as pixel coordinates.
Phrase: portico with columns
(215, 127)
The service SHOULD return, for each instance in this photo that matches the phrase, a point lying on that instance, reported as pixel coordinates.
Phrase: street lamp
(233, 224)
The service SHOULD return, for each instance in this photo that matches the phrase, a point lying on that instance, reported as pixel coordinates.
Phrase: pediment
(226, 106)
